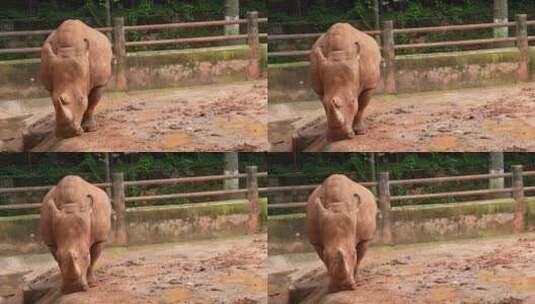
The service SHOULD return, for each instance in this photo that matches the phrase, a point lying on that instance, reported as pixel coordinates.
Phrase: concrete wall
(414, 73)
(145, 70)
(146, 225)
(412, 224)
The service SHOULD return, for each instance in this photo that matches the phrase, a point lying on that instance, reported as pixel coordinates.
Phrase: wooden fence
(120, 43)
(119, 199)
(385, 199)
(389, 46)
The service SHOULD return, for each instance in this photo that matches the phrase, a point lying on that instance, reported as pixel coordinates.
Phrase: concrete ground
(493, 270)
(225, 117)
(228, 270)
(458, 120)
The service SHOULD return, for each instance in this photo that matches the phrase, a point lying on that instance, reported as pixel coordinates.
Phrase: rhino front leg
(319, 250)
(358, 125)
(362, 247)
(88, 123)
(95, 251)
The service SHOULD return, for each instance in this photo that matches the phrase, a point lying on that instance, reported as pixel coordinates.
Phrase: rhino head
(340, 74)
(73, 248)
(70, 86)
(339, 245)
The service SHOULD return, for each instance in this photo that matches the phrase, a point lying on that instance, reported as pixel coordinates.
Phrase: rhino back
(342, 37)
(66, 197)
(72, 33)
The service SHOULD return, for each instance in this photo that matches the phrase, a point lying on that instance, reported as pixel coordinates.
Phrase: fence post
(119, 49)
(523, 46)
(252, 196)
(253, 69)
(519, 202)
(384, 205)
(389, 55)
(120, 208)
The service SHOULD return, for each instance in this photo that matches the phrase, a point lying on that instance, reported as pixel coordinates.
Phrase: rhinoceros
(75, 222)
(344, 71)
(75, 68)
(340, 222)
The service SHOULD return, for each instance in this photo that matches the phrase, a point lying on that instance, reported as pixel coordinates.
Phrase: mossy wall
(147, 225)
(19, 79)
(414, 73)
(413, 224)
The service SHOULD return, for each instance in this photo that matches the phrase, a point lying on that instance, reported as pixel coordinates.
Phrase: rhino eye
(63, 100)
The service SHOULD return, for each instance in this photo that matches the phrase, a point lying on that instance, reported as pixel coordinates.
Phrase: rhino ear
(357, 49)
(86, 42)
(322, 211)
(49, 52)
(56, 213)
(319, 53)
(90, 201)
(357, 199)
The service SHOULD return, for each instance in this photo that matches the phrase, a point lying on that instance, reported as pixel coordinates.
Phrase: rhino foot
(360, 128)
(89, 125)
(91, 280)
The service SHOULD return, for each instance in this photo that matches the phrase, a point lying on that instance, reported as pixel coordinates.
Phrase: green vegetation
(307, 16)
(48, 14)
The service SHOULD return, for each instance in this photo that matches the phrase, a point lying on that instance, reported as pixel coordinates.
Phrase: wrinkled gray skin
(341, 220)
(75, 222)
(75, 68)
(344, 70)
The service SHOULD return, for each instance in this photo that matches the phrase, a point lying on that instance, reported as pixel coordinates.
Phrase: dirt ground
(457, 120)
(494, 270)
(229, 117)
(213, 271)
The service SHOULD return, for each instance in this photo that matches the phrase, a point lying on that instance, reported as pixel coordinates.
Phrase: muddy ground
(214, 271)
(491, 271)
(229, 117)
(481, 119)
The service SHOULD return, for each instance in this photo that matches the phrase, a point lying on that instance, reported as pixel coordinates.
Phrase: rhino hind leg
(364, 99)
(362, 247)
(96, 249)
(88, 123)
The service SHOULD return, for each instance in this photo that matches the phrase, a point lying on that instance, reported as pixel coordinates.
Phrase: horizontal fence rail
(416, 181)
(141, 183)
(389, 46)
(119, 199)
(120, 42)
(384, 199)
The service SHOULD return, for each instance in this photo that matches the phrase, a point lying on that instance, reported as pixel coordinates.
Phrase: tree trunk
(107, 6)
(501, 13)
(373, 172)
(107, 167)
(231, 168)
(496, 167)
(232, 12)
(376, 14)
